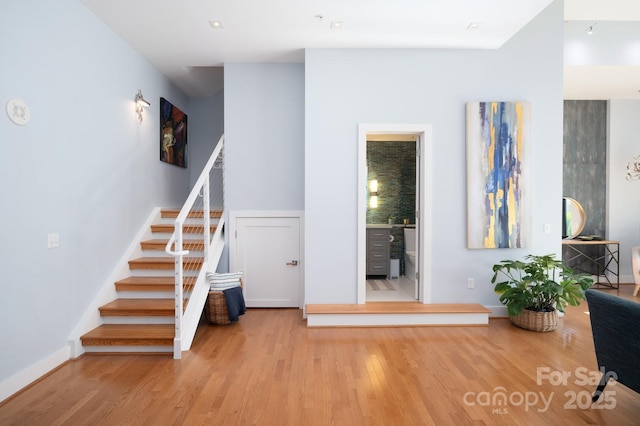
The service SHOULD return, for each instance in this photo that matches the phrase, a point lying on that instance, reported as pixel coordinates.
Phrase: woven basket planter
(536, 321)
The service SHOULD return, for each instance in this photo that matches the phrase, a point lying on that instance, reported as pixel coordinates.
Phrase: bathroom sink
(379, 225)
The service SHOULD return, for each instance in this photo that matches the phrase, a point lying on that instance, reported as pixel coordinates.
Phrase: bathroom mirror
(573, 218)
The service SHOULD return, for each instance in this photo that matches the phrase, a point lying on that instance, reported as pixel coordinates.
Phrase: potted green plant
(534, 290)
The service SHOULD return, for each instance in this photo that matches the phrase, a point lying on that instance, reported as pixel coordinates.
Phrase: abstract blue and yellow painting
(498, 169)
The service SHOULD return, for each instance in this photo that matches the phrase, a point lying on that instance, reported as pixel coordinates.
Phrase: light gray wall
(83, 167)
(206, 125)
(623, 202)
(264, 136)
(349, 86)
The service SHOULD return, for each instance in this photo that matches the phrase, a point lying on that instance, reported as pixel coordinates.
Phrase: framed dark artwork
(173, 134)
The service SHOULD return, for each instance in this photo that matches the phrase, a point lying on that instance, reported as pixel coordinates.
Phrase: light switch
(53, 240)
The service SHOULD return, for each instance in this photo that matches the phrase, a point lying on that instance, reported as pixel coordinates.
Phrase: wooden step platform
(139, 307)
(173, 213)
(396, 314)
(161, 244)
(131, 335)
(168, 228)
(165, 263)
(153, 284)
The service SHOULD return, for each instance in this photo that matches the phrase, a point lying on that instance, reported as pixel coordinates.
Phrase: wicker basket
(536, 321)
(215, 310)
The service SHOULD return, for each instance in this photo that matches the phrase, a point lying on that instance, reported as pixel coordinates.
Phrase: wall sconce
(141, 103)
(633, 169)
(373, 193)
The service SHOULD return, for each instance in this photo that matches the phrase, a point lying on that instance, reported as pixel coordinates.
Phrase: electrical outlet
(471, 283)
(547, 228)
(53, 240)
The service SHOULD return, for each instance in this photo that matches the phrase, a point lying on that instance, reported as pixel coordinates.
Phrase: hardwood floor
(271, 369)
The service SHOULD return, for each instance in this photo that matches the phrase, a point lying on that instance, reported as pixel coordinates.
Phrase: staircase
(142, 318)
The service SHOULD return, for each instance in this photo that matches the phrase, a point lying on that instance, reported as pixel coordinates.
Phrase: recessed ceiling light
(337, 25)
(216, 24)
(473, 26)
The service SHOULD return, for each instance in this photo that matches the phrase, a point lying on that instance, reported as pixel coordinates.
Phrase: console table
(606, 265)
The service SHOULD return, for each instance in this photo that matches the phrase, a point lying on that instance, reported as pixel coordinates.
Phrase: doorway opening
(391, 217)
(394, 219)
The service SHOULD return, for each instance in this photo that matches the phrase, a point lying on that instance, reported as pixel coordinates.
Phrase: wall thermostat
(18, 111)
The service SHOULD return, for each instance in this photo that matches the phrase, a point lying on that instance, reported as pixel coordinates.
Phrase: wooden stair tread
(130, 334)
(173, 213)
(138, 307)
(152, 283)
(396, 308)
(189, 263)
(186, 229)
(161, 244)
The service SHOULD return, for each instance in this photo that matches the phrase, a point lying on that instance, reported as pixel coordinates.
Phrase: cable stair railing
(194, 233)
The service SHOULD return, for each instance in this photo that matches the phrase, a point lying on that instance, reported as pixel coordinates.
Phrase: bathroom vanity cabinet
(378, 251)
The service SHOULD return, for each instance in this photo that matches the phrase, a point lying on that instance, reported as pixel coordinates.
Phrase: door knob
(292, 263)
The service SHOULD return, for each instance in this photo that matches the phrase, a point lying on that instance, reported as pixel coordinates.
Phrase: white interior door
(268, 252)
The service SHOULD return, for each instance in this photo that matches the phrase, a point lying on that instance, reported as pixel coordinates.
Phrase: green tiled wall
(393, 164)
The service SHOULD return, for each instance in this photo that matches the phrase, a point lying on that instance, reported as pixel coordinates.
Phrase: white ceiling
(606, 64)
(177, 38)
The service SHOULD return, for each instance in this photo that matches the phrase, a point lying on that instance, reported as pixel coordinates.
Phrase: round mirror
(573, 218)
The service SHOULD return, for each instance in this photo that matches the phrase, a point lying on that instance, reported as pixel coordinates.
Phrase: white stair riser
(158, 235)
(162, 253)
(149, 294)
(137, 320)
(159, 273)
(128, 349)
(196, 220)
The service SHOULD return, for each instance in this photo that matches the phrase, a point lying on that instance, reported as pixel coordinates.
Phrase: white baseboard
(499, 311)
(27, 376)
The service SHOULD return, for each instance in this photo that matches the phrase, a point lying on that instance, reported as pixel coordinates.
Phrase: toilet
(410, 253)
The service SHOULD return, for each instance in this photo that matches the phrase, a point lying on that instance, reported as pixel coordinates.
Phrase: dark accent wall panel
(585, 162)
